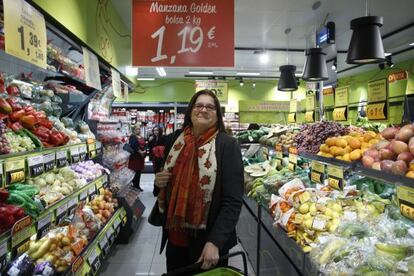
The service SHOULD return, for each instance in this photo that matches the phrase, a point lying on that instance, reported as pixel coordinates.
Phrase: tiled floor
(141, 256)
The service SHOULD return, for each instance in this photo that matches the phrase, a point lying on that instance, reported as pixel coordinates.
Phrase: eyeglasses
(209, 107)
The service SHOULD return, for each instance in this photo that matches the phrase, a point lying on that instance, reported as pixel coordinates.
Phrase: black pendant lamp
(366, 42)
(315, 66)
(287, 81)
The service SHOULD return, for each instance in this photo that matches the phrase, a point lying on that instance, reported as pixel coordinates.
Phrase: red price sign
(183, 33)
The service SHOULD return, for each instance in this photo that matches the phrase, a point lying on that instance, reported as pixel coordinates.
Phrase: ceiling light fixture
(201, 73)
(131, 71)
(241, 82)
(254, 85)
(389, 62)
(161, 71)
(287, 81)
(145, 79)
(315, 65)
(248, 74)
(412, 44)
(366, 42)
(387, 54)
(264, 58)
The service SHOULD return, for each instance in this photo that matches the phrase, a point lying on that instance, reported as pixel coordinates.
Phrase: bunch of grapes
(310, 138)
(4, 144)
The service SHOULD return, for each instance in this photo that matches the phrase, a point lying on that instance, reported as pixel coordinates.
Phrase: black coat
(227, 198)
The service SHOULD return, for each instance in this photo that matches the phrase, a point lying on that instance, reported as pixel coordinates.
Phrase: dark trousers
(136, 179)
(179, 257)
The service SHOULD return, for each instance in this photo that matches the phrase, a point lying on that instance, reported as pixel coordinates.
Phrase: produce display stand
(275, 252)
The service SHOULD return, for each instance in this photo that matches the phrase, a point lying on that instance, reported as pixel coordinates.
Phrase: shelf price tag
(1, 175)
(72, 204)
(82, 153)
(98, 148)
(406, 201)
(20, 235)
(310, 116)
(74, 155)
(61, 158)
(93, 259)
(92, 150)
(336, 177)
(105, 181)
(279, 155)
(293, 159)
(110, 234)
(49, 161)
(318, 172)
(104, 245)
(340, 114)
(25, 32)
(15, 171)
(292, 118)
(92, 190)
(83, 195)
(61, 212)
(35, 165)
(43, 224)
(3, 253)
(377, 111)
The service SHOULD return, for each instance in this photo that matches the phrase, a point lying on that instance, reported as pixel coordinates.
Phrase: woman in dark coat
(137, 159)
(156, 146)
(201, 187)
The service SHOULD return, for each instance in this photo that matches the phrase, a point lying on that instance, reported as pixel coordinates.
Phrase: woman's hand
(162, 178)
(209, 256)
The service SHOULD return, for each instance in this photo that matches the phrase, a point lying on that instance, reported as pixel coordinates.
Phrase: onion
(373, 153)
(399, 167)
(398, 146)
(405, 134)
(389, 133)
(411, 145)
(386, 165)
(376, 166)
(407, 157)
(382, 144)
(367, 161)
(386, 154)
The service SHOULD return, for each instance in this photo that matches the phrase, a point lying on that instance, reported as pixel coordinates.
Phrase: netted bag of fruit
(287, 220)
(301, 196)
(292, 186)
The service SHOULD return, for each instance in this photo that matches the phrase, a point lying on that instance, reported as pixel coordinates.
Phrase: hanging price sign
(43, 224)
(183, 33)
(310, 116)
(377, 111)
(25, 32)
(116, 83)
(82, 153)
(61, 159)
(377, 91)
(15, 171)
(20, 235)
(292, 118)
(340, 114)
(336, 177)
(406, 200)
(341, 96)
(49, 161)
(35, 165)
(92, 74)
(310, 102)
(293, 108)
(318, 172)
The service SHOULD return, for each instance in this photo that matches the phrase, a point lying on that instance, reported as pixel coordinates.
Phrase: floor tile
(157, 269)
(125, 269)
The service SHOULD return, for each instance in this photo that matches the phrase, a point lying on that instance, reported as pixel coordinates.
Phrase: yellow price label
(376, 111)
(335, 183)
(407, 211)
(23, 248)
(336, 171)
(341, 96)
(318, 166)
(278, 163)
(340, 114)
(377, 90)
(17, 176)
(293, 158)
(405, 193)
(292, 167)
(316, 177)
(310, 102)
(292, 118)
(15, 171)
(293, 106)
(309, 116)
(25, 32)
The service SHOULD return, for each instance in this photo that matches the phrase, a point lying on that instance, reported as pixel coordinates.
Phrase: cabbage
(50, 178)
(40, 182)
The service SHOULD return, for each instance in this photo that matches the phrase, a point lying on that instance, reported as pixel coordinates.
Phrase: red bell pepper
(56, 138)
(47, 145)
(29, 122)
(16, 127)
(46, 123)
(13, 90)
(40, 114)
(15, 106)
(42, 132)
(29, 110)
(16, 115)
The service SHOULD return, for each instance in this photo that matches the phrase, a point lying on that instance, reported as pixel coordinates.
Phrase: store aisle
(141, 256)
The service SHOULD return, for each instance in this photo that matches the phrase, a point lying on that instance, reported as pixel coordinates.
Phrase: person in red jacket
(137, 158)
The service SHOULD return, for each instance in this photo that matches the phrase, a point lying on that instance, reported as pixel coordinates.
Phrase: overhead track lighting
(201, 73)
(315, 65)
(264, 58)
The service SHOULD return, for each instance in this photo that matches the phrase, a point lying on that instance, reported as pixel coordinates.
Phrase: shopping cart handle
(197, 266)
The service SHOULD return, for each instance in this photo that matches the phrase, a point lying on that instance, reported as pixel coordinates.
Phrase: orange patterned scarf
(193, 164)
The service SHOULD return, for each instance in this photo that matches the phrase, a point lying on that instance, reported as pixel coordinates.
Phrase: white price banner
(92, 74)
(47, 219)
(116, 83)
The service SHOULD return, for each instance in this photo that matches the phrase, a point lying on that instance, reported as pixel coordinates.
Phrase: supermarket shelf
(326, 160)
(385, 177)
(78, 83)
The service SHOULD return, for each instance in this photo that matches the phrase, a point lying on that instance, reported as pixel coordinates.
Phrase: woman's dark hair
(187, 118)
(160, 130)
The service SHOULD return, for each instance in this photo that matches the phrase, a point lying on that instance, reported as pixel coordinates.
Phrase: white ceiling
(261, 24)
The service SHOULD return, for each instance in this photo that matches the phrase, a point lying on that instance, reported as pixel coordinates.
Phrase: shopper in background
(201, 187)
(137, 159)
(156, 146)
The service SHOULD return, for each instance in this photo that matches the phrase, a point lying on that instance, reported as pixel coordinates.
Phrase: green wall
(181, 90)
(97, 24)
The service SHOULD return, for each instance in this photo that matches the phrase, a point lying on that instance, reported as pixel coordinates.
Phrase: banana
(392, 248)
